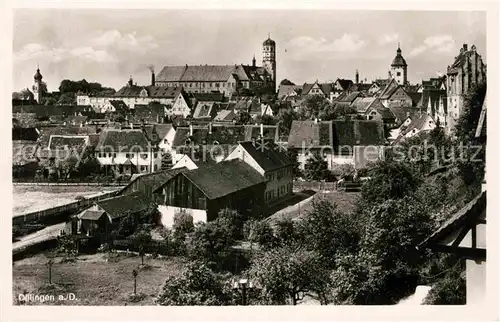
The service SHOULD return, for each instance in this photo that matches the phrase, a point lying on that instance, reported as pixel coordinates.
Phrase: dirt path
(39, 236)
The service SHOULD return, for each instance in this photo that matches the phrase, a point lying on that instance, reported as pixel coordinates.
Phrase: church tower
(399, 68)
(269, 58)
(38, 86)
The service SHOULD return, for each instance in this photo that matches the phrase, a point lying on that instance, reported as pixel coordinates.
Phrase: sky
(108, 46)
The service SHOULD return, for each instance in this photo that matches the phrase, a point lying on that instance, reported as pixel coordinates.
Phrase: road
(37, 237)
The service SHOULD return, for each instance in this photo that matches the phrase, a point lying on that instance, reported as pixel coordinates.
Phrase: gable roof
(336, 133)
(361, 104)
(91, 214)
(326, 88)
(224, 178)
(286, 90)
(65, 142)
(113, 140)
(402, 113)
(344, 83)
(151, 182)
(162, 129)
(204, 109)
(417, 123)
(267, 154)
(119, 105)
(415, 97)
(208, 73)
(225, 116)
(470, 211)
(120, 206)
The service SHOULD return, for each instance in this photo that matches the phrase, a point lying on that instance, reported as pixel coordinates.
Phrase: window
(398, 74)
(114, 155)
(144, 168)
(127, 155)
(165, 141)
(144, 155)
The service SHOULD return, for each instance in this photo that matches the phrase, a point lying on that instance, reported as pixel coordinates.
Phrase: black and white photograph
(249, 157)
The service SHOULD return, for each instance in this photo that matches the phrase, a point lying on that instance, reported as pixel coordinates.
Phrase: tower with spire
(399, 68)
(269, 58)
(38, 86)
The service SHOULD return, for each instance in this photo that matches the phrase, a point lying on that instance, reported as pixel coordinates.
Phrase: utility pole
(134, 273)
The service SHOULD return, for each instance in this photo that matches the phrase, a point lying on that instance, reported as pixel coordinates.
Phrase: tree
(293, 156)
(286, 273)
(329, 232)
(140, 240)
(232, 222)
(328, 113)
(243, 117)
(265, 119)
(285, 118)
(183, 225)
(316, 169)
(261, 232)
(67, 99)
(211, 243)
(312, 107)
(197, 285)
(285, 232)
(389, 180)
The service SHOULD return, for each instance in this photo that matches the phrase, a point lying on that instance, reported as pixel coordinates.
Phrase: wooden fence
(51, 215)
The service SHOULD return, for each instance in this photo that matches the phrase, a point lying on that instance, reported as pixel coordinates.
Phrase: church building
(223, 78)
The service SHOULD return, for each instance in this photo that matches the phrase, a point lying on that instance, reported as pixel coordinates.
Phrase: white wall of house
(240, 153)
(186, 162)
(168, 213)
(165, 144)
(180, 106)
(145, 161)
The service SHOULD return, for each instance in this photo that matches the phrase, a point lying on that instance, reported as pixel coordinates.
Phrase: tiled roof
(415, 97)
(286, 90)
(77, 143)
(203, 73)
(224, 178)
(417, 123)
(402, 113)
(208, 97)
(76, 119)
(120, 206)
(361, 104)
(225, 116)
(326, 88)
(204, 110)
(345, 83)
(119, 105)
(91, 214)
(122, 140)
(267, 154)
(162, 129)
(152, 91)
(149, 183)
(350, 97)
(336, 133)
(46, 132)
(389, 89)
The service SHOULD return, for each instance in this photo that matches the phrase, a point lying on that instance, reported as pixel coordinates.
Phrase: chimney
(261, 129)
(407, 114)
(357, 77)
(210, 128)
(152, 78)
(190, 129)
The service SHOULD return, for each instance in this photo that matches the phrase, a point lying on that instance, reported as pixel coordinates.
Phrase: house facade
(467, 69)
(127, 152)
(271, 163)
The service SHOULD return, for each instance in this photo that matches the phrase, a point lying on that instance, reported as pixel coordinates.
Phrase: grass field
(32, 198)
(93, 279)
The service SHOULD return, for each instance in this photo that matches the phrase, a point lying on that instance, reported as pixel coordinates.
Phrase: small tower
(130, 82)
(254, 62)
(38, 86)
(269, 58)
(399, 68)
(357, 77)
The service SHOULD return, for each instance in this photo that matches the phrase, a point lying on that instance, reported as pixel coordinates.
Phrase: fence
(51, 215)
(314, 185)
